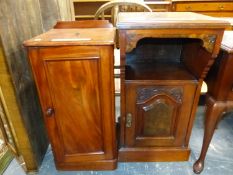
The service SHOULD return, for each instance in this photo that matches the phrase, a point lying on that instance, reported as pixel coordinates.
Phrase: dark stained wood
(75, 82)
(82, 108)
(176, 95)
(220, 78)
(158, 72)
(194, 65)
(219, 99)
(149, 60)
(122, 43)
(214, 113)
(83, 24)
(211, 41)
(167, 55)
(159, 154)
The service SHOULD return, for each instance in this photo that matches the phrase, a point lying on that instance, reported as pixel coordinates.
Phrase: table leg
(214, 110)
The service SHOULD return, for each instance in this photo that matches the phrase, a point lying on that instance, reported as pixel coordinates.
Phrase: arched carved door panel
(155, 115)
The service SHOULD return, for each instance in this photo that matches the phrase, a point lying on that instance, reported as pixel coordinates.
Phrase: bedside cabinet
(73, 70)
(164, 59)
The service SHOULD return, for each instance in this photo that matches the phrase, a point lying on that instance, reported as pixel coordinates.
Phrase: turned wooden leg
(214, 110)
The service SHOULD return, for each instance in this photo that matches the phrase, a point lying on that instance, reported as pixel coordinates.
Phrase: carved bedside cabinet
(220, 94)
(164, 58)
(73, 70)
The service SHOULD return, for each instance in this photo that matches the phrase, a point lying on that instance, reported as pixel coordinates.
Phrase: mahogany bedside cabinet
(220, 94)
(164, 58)
(73, 71)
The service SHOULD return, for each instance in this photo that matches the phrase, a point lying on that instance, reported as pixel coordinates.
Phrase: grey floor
(219, 160)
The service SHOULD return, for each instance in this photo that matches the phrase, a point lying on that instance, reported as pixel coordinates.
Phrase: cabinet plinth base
(95, 165)
(153, 154)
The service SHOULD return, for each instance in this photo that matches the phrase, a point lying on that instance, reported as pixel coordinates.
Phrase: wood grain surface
(58, 37)
(136, 20)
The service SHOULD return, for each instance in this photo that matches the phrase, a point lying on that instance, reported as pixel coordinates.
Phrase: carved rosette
(145, 93)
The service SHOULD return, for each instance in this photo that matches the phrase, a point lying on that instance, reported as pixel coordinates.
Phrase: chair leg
(214, 110)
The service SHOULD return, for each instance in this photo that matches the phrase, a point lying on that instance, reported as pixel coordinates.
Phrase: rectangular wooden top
(145, 20)
(63, 37)
(227, 41)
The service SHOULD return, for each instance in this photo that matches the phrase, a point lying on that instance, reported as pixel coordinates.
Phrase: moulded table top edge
(145, 20)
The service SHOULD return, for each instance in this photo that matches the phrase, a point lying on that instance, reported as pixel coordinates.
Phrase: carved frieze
(144, 93)
(208, 40)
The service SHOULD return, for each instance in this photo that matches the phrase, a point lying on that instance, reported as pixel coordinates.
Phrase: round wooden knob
(189, 8)
(221, 7)
(49, 112)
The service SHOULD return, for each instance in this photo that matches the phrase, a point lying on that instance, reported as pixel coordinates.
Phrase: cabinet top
(62, 37)
(145, 20)
(227, 41)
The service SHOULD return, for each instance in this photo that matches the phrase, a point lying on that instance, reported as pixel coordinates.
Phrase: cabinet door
(77, 95)
(157, 115)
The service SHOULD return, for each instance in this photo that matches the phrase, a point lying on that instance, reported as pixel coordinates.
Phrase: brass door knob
(49, 112)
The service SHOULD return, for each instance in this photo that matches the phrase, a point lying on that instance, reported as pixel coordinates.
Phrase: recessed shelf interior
(159, 59)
